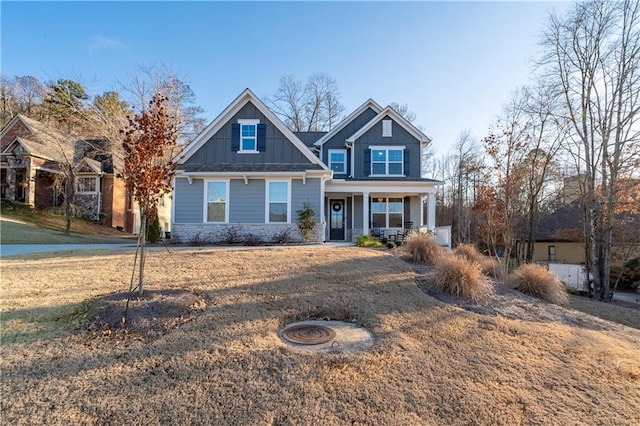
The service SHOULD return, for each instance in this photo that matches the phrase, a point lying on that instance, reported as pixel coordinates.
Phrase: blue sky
(453, 63)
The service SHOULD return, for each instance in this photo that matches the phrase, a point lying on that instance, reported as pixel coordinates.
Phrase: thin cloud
(100, 42)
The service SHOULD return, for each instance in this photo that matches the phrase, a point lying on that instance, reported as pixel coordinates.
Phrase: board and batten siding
(188, 200)
(373, 137)
(278, 149)
(247, 201)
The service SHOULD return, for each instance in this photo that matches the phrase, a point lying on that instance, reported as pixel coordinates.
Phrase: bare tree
(148, 172)
(20, 95)
(306, 107)
(404, 111)
(592, 58)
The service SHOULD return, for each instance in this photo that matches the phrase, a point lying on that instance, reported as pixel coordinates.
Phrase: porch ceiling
(388, 187)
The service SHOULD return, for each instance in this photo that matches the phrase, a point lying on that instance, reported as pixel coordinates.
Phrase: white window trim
(248, 122)
(386, 167)
(386, 210)
(206, 202)
(341, 151)
(266, 202)
(88, 177)
(387, 127)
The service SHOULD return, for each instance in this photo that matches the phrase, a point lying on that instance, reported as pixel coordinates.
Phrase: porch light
(24, 183)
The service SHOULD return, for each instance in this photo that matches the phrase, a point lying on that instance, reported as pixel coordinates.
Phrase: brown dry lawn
(432, 362)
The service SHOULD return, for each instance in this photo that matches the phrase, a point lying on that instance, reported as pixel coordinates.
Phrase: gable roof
(235, 106)
(370, 103)
(388, 111)
(309, 138)
(89, 165)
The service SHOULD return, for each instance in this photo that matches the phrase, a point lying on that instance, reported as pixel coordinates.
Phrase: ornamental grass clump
(422, 248)
(461, 278)
(489, 266)
(537, 281)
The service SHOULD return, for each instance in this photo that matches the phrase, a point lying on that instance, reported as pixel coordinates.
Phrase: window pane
(248, 144)
(395, 155)
(395, 220)
(278, 192)
(378, 169)
(277, 212)
(248, 130)
(215, 212)
(379, 206)
(337, 157)
(395, 168)
(395, 205)
(216, 191)
(378, 155)
(379, 220)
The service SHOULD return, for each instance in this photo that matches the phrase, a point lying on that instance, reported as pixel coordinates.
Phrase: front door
(336, 223)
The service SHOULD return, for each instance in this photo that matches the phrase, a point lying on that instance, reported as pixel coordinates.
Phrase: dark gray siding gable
(401, 137)
(277, 150)
(247, 201)
(188, 200)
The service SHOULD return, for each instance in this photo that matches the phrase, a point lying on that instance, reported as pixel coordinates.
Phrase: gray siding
(279, 150)
(338, 140)
(308, 192)
(357, 211)
(247, 201)
(188, 200)
(400, 137)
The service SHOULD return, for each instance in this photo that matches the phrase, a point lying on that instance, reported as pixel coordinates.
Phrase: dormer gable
(385, 115)
(369, 104)
(245, 128)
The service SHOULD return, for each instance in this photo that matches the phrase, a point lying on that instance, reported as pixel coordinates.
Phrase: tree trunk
(143, 245)
(69, 187)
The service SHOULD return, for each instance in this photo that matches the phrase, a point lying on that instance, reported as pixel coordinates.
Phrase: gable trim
(370, 103)
(235, 106)
(388, 111)
(11, 123)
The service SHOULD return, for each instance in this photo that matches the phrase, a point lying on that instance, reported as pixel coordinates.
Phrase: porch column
(365, 213)
(30, 177)
(431, 216)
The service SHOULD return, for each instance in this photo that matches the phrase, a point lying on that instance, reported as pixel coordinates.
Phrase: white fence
(573, 276)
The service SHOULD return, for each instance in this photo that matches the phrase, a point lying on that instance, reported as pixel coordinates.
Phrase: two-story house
(248, 173)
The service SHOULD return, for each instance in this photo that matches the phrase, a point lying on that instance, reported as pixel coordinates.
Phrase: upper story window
(338, 161)
(87, 185)
(387, 161)
(216, 201)
(386, 128)
(248, 135)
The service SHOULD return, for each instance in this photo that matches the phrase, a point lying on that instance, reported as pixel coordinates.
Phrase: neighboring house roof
(564, 224)
(235, 106)
(88, 165)
(309, 138)
(50, 152)
(390, 112)
(370, 103)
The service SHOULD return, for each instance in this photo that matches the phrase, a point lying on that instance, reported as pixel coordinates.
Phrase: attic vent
(386, 128)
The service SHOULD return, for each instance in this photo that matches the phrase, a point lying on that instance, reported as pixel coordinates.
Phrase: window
(386, 128)
(86, 184)
(216, 201)
(248, 135)
(387, 212)
(387, 161)
(552, 253)
(278, 202)
(338, 160)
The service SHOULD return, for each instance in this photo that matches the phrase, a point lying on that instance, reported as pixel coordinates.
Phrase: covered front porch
(382, 209)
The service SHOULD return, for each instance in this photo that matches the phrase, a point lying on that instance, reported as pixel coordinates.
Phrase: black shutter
(235, 137)
(347, 158)
(407, 162)
(262, 137)
(367, 162)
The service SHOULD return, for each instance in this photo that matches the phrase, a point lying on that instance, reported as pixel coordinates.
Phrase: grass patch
(460, 277)
(422, 248)
(538, 281)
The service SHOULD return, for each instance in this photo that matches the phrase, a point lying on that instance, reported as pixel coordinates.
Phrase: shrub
(307, 222)
(537, 281)
(390, 245)
(469, 252)
(461, 278)
(488, 265)
(384, 240)
(196, 239)
(491, 267)
(367, 241)
(153, 230)
(231, 235)
(398, 243)
(282, 237)
(422, 248)
(253, 240)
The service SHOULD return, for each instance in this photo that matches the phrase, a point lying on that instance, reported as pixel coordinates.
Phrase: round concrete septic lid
(349, 337)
